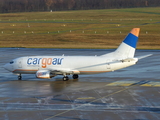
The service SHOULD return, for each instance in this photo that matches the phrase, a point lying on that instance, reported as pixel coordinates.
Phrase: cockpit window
(11, 62)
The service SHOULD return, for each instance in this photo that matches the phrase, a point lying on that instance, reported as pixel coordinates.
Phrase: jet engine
(44, 74)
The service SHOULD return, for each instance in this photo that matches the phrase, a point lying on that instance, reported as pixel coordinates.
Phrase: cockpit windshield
(11, 62)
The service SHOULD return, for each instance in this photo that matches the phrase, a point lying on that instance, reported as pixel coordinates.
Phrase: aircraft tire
(65, 78)
(20, 77)
(75, 76)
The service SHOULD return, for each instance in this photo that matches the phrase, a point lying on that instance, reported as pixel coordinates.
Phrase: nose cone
(7, 67)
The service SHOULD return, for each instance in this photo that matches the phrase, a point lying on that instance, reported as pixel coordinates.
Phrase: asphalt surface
(132, 93)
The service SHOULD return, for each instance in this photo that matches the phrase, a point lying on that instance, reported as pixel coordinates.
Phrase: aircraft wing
(64, 70)
(48, 73)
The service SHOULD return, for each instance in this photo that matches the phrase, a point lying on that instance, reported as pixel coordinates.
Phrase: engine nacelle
(44, 74)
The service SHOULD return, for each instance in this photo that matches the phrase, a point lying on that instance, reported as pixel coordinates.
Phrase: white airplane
(50, 66)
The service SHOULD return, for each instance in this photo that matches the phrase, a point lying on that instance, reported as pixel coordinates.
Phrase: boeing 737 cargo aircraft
(50, 66)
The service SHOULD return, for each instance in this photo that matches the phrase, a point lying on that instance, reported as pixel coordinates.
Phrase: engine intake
(44, 74)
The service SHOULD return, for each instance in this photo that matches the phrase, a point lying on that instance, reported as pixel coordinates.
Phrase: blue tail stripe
(131, 40)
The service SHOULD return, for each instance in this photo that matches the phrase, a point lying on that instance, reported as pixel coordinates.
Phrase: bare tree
(43, 5)
(48, 3)
(71, 4)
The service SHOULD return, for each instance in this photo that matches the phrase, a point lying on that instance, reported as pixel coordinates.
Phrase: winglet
(132, 37)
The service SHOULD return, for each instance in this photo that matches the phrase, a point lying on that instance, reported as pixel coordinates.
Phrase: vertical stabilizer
(128, 46)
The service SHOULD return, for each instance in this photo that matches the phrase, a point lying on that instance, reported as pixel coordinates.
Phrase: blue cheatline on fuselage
(131, 40)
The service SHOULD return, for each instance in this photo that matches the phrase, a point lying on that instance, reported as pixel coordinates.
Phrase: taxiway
(132, 93)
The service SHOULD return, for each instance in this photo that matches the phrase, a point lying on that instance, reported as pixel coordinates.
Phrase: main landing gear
(75, 76)
(66, 78)
(19, 77)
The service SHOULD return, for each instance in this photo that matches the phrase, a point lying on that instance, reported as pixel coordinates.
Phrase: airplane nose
(7, 67)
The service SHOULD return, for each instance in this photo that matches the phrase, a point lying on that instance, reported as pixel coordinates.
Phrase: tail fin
(128, 46)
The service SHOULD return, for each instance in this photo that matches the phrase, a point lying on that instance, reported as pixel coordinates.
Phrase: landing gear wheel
(65, 78)
(19, 77)
(75, 76)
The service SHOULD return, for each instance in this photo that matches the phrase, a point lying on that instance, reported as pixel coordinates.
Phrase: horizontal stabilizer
(144, 56)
